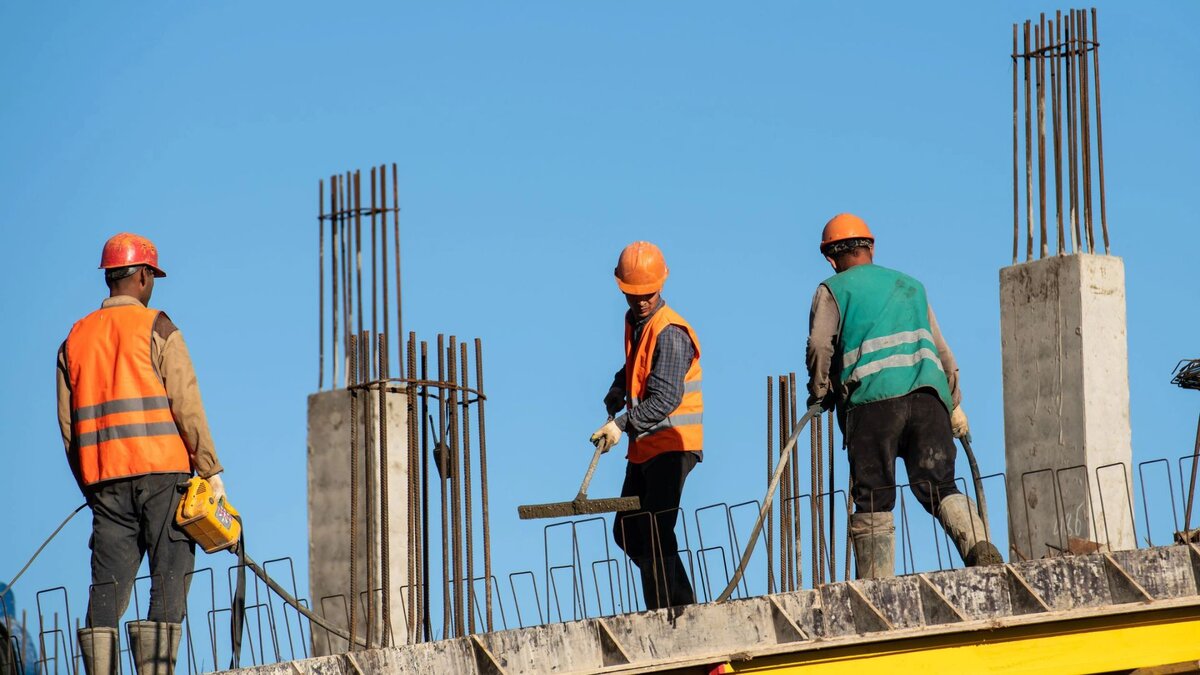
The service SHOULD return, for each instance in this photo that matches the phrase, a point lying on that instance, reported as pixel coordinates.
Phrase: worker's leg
(872, 439)
(116, 552)
(664, 477)
(631, 529)
(172, 552)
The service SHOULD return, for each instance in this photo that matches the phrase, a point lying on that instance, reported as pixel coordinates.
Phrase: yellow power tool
(211, 523)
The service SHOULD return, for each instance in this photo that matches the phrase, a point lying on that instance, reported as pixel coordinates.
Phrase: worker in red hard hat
(134, 428)
(876, 353)
(658, 388)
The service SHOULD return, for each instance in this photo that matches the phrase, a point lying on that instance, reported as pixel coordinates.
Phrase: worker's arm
(824, 321)
(64, 414)
(614, 400)
(949, 365)
(183, 392)
(673, 354)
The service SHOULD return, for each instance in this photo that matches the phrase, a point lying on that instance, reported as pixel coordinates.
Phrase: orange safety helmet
(641, 269)
(845, 226)
(125, 249)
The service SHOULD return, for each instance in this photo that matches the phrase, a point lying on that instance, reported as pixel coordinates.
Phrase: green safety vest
(886, 344)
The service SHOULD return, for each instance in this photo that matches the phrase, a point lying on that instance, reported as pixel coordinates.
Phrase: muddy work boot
(962, 522)
(100, 650)
(154, 645)
(874, 545)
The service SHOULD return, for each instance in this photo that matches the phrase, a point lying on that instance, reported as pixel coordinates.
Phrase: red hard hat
(125, 249)
(845, 226)
(641, 269)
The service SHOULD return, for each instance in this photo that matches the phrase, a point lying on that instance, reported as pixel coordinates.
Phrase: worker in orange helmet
(658, 387)
(134, 428)
(876, 353)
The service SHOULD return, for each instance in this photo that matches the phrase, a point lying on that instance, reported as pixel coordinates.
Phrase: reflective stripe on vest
(683, 428)
(121, 417)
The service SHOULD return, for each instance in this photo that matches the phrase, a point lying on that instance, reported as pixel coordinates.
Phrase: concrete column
(329, 515)
(1066, 404)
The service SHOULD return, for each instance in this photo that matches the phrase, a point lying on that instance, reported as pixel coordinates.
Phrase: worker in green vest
(875, 352)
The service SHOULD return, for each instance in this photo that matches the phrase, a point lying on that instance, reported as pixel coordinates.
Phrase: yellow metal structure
(1086, 643)
(211, 523)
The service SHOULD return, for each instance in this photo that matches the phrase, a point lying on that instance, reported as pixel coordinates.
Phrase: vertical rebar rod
(358, 259)
(413, 460)
(483, 484)
(443, 478)
(352, 348)
(1028, 151)
(425, 490)
(1041, 131)
(333, 273)
(815, 525)
(383, 261)
(396, 239)
(385, 550)
(1191, 493)
(321, 284)
(455, 486)
(1077, 241)
(796, 523)
(1099, 130)
(832, 504)
(468, 512)
(1016, 154)
(347, 275)
(370, 501)
(1056, 120)
(786, 581)
(1085, 118)
(770, 472)
(374, 276)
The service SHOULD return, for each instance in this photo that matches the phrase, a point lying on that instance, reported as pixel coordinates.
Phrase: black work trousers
(648, 536)
(915, 428)
(132, 517)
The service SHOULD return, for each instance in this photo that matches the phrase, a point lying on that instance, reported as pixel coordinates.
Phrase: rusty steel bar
(352, 348)
(443, 478)
(321, 284)
(770, 472)
(358, 259)
(1072, 133)
(412, 461)
(347, 275)
(832, 504)
(333, 273)
(396, 239)
(364, 376)
(1040, 32)
(1056, 120)
(787, 577)
(1016, 155)
(374, 279)
(795, 462)
(425, 492)
(455, 488)
(1099, 130)
(469, 515)
(1085, 116)
(385, 550)
(815, 525)
(383, 272)
(483, 484)
(1028, 152)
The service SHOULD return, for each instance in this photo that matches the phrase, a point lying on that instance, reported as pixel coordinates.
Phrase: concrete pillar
(329, 515)
(1066, 404)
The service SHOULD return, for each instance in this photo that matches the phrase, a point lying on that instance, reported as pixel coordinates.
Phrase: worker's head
(847, 242)
(641, 273)
(130, 264)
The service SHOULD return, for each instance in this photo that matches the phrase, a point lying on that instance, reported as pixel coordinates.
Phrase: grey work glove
(606, 436)
(958, 422)
(217, 485)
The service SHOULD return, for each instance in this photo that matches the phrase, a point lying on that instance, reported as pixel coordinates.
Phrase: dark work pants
(130, 518)
(658, 483)
(915, 428)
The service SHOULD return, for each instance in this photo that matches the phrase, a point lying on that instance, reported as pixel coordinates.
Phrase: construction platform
(1119, 611)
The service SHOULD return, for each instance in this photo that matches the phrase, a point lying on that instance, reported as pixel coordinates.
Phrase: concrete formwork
(1066, 403)
(329, 514)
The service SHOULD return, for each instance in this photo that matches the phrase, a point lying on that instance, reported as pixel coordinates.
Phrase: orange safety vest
(683, 429)
(120, 416)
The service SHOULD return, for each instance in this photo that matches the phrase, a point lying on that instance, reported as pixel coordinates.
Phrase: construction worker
(875, 351)
(134, 429)
(659, 388)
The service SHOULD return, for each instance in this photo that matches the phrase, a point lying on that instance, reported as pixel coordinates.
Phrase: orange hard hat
(125, 249)
(845, 226)
(641, 269)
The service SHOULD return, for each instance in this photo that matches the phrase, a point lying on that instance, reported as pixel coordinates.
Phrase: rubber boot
(154, 645)
(100, 650)
(874, 545)
(962, 522)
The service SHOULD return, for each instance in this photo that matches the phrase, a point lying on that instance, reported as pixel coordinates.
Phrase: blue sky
(535, 140)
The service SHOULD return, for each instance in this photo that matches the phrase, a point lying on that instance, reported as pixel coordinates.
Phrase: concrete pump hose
(289, 599)
(784, 453)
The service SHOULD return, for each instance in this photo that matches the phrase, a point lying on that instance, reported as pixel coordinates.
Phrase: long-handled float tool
(581, 505)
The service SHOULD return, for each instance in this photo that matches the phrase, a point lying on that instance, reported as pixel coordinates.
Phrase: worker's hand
(217, 485)
(606, 436)
(958, 422)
